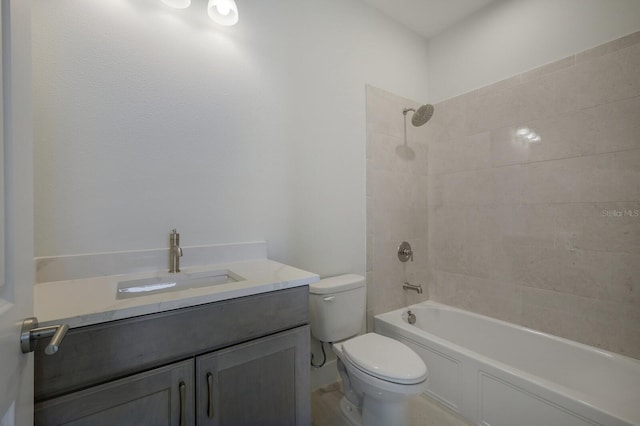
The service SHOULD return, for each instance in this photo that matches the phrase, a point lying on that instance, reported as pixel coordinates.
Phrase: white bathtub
(500, 374)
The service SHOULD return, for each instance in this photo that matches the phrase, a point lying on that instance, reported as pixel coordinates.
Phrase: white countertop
(93, 300)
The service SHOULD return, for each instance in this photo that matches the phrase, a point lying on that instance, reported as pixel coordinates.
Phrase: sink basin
(182, 281)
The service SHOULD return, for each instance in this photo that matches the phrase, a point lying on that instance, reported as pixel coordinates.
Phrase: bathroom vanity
(233, 360)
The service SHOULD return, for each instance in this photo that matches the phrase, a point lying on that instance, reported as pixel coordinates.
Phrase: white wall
(514, 36)
(149, 118)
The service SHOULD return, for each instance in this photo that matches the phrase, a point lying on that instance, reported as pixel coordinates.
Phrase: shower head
(421, 116)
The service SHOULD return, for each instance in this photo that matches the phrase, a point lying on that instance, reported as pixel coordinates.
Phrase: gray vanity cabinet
(231, 363)
(163, 396)
(258, 383)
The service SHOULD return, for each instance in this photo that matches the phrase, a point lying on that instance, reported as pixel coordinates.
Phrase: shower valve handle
(405, 252)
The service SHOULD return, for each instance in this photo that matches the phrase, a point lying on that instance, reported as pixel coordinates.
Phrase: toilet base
(350, 411)
(381, 413)
(375, 412)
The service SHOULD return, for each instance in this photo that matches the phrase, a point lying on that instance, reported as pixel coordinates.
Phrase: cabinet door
(163, 396)
(260, 383)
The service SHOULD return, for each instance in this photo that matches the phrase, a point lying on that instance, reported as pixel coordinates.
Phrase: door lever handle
(31, 333)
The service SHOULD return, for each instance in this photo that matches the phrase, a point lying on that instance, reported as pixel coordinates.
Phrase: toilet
(380, 375)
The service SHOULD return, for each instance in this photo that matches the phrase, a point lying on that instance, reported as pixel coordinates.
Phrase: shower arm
(404, 112)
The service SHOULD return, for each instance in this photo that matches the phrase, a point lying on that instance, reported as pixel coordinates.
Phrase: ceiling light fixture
(223, 12)
(177, 4)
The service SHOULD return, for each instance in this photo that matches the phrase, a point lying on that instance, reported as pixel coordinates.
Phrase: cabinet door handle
(210, 395)
(182, 388)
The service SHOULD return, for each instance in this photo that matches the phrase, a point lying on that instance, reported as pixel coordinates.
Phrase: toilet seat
(385, 359)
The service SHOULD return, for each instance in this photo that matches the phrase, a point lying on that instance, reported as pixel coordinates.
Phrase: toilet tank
(337, 307)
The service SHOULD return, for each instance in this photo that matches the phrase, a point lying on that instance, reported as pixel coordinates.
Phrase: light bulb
(178, 4)
(533, 137)
(223, 12)
(223, 7)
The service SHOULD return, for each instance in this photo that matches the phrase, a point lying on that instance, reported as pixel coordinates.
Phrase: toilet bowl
(380, 375)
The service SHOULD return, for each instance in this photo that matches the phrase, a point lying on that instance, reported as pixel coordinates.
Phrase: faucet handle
(405, 252)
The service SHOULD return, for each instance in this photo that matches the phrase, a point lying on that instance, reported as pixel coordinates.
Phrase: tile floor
(325, 410)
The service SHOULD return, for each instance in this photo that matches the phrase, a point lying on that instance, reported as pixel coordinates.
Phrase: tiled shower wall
(396, 203)
(543, 234)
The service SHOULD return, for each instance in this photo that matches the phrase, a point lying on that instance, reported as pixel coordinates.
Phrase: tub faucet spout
(175, 252)
(416, 288)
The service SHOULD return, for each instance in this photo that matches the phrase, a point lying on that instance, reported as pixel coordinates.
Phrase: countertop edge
(136, 311)
(263, 279)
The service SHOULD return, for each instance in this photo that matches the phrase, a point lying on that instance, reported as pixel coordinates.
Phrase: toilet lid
(385, 358)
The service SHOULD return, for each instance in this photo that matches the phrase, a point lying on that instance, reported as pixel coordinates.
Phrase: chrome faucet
(175, 252)
(416, 288)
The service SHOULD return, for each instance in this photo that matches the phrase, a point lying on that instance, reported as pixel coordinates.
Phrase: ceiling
(428, 17)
